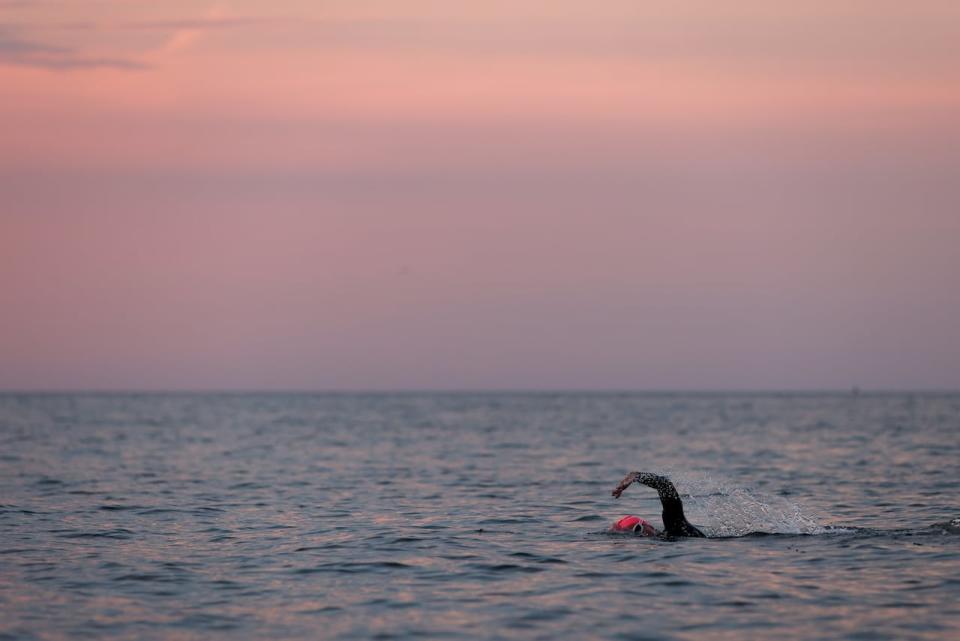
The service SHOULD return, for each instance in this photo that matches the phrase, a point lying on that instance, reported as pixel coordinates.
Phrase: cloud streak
(15, 50)
(20, 50)
(202, 23)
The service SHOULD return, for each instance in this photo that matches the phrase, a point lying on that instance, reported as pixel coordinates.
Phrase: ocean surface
(477, 516)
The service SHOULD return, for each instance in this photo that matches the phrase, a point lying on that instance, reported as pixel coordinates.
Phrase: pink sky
(424, 194)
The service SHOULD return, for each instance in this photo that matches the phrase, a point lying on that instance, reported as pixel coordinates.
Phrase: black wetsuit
(674, 521)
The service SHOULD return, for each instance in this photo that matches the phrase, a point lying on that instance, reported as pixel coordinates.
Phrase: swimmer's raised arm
(659, 483)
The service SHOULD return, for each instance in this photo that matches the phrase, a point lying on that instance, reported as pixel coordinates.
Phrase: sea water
(477, 516)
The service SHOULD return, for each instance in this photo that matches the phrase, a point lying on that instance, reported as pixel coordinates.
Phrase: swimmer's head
(634, 524)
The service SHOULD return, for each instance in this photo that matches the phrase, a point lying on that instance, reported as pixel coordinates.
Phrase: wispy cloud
(20, 46)
(185, 32)
(16, 50)
(144, 25)
(201, 23)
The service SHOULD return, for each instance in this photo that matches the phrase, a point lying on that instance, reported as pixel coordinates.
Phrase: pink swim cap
(632, 523)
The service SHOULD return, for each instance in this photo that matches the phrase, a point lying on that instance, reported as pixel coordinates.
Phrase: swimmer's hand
(627, 481)
(651, 480)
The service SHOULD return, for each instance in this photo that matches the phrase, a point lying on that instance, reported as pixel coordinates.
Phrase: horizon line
(850, 391)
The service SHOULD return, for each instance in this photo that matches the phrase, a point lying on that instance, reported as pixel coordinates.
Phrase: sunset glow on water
(476, 516)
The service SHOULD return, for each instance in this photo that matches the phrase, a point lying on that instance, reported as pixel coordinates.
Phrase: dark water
(476, 516)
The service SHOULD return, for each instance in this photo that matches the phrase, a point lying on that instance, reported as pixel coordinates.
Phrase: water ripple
(458, 516)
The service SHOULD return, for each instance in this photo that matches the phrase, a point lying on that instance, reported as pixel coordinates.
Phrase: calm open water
(461, 516)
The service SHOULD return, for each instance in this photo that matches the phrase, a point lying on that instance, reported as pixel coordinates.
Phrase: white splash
(723, 509)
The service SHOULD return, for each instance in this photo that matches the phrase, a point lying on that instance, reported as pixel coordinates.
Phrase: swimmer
(674, 522)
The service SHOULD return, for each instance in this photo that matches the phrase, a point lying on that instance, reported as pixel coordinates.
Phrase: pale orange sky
(400, 194)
